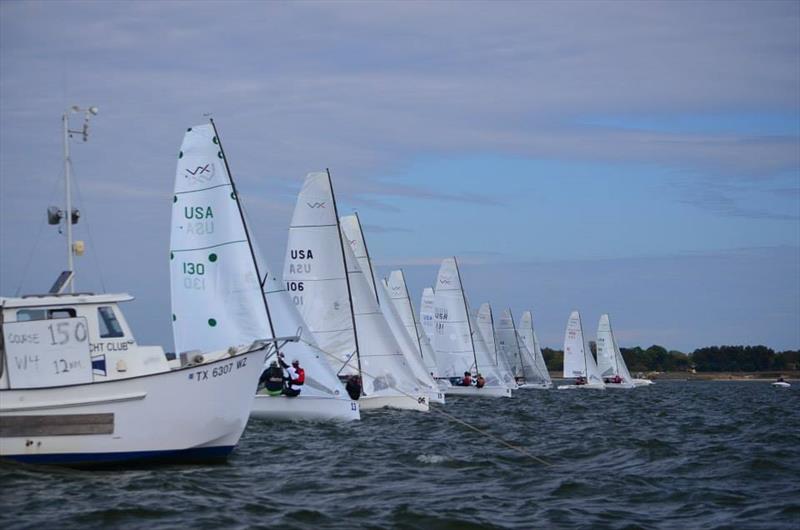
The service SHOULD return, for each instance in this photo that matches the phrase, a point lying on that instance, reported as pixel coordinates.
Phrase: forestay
(215, 289)
(530, 342)
(398, 291)
(609, 358)
(578, 360)
(485, 321)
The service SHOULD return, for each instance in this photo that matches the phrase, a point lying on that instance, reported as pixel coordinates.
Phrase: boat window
(109, 325)
(61, 312)
(23, 315)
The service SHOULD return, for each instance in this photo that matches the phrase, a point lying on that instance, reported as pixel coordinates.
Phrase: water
(673, 455)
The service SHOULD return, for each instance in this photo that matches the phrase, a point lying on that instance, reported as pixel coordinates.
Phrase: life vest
(301, 376)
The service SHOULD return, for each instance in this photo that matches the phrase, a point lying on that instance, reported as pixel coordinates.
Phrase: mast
(68, 209)
(346, 274)
(466, 311)
(516, 337)
(246, 230)
(369, 260)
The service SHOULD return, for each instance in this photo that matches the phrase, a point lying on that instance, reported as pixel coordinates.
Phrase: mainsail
(459, 347)
(609, 358)
(530, 342)
(485, 320)
(578, 360)
(426, 314)
(398, 291)
(215, 289)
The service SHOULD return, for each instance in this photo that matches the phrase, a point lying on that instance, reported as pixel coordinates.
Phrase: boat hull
(191, 414)
(304, 408)
(394, 402)
(781, 384)
(585, 387)
(619, 386)
(536, 386)
(493, 391)
(436, 397)
(642, 382)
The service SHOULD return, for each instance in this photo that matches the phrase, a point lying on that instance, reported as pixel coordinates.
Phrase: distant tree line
(709, 359)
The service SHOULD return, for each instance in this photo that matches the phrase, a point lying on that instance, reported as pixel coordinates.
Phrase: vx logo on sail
(200, 174)
(316, 204)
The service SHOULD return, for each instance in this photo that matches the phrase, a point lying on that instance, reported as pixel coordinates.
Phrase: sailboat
(218, 267)
(334, 298)
(458, 345)
(354, 234)
(398, 292)
(578, 360)
(511, 346)
(610, 362)
(485, 321)
(76, 388)
(540, 377)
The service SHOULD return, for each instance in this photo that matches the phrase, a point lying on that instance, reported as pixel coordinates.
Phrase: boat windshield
(109, 325)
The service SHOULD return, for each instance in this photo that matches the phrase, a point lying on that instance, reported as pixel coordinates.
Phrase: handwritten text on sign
(42, 353)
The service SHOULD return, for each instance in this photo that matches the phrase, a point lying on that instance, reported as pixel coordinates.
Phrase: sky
(635, 158)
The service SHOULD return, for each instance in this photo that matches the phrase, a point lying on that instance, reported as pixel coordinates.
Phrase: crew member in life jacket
(480, 382)
(272, 379)
(353, 387)
(295, 378)
(580, 380)
(467, 380)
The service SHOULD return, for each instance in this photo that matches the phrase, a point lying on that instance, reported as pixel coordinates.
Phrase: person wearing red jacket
(295, 379)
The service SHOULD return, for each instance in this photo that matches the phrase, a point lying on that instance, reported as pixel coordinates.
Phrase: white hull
(304, 408)
(537, 386)
(195, 413)
(394, 402)
(436, 397)
(781, 384)
(487, 391)
(642, 382)
(586, 387)
(618, 386)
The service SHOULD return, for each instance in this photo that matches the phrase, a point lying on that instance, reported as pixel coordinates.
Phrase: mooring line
(446, 414)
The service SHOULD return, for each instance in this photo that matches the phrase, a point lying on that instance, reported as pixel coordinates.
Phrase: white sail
(609, 358)
(215, 289)
(315, 274)
(578, 359)
(426, 314)
(485, 321)
(458, 348)
(398, 291)
(327, 285)
(352, 231)
(529, 340)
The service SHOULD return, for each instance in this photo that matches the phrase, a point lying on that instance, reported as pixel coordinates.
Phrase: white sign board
(42, 353)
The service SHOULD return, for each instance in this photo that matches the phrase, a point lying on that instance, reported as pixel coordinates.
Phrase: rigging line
(88, 229)
(38, 237)
(447, 415)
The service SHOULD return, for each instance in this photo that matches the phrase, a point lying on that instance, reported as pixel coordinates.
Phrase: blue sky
(637, 158)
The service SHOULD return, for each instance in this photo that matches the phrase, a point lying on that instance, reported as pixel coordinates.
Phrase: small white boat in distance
(578, 360)
(610, 362)
(781, 383)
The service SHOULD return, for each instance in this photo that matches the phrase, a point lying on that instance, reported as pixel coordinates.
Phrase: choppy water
(674, 455)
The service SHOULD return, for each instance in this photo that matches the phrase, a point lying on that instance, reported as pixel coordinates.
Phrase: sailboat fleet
(76, 387)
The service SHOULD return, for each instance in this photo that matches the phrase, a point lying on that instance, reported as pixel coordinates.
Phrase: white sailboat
(353, 232)
(215, 265)
(336, 303)
(398, 292)
(578, 360)
(530, 345)
(485, 321)
(458, 345)
(77, 389)
(510, 344)
(610, 362)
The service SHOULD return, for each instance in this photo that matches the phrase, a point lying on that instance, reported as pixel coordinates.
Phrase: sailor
(353, 387)
(272, 379)
(480, 382)
(296, 379)
(617, 379)
(580, 380)
(467, 380)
